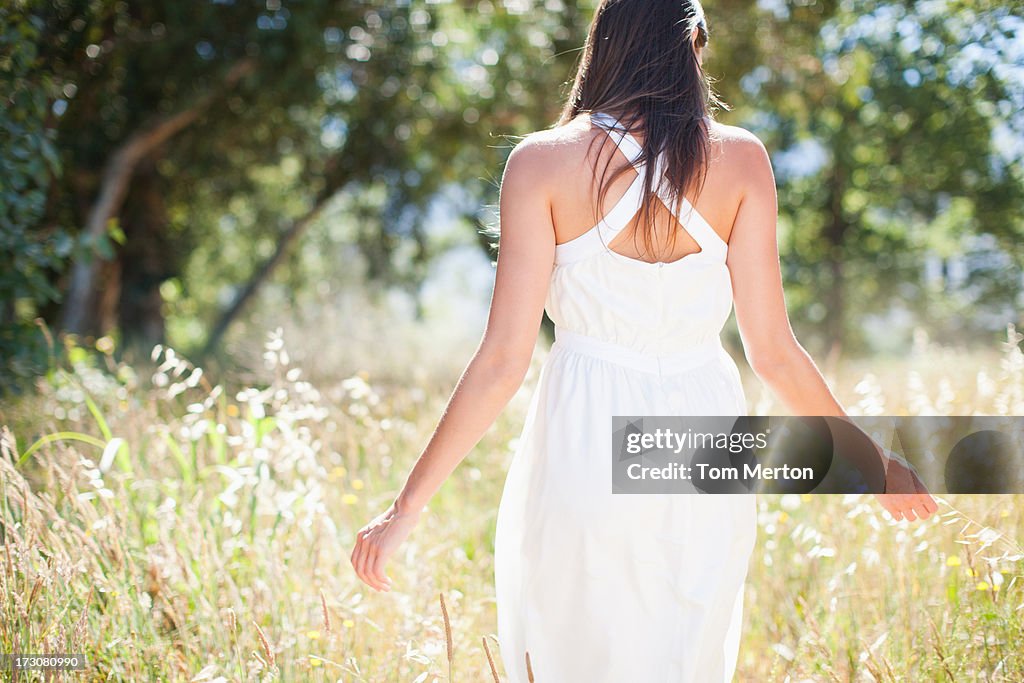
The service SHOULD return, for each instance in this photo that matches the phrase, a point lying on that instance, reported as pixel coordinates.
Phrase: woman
(639, 275)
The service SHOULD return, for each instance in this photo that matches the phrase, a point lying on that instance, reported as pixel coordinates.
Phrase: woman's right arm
(772, 349)
(525, 258)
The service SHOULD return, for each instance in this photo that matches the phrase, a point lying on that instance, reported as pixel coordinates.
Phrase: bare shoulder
(545, 156)
(740, 154)
(734, 137)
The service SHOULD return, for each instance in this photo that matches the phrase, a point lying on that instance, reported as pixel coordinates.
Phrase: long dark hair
(640, 65)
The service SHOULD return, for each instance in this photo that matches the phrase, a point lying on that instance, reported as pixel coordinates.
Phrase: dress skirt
(597, 587)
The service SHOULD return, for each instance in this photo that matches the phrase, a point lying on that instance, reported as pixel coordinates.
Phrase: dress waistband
(658, 364)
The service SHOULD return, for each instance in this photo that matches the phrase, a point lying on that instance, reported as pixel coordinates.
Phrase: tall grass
(171, 529)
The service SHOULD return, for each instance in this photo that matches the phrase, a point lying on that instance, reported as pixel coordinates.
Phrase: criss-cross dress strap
(596, 239)
(689, 217)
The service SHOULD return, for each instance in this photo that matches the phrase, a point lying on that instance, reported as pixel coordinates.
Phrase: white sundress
(619, 588)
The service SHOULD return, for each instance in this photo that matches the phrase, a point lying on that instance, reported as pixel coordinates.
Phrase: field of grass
(174, 530)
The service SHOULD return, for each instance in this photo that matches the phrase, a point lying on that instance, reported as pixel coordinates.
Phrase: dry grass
(181, 531)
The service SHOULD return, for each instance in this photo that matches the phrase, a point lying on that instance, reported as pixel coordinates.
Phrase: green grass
(174, 530)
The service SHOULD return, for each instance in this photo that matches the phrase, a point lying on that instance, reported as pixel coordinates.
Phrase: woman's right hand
(377, 541)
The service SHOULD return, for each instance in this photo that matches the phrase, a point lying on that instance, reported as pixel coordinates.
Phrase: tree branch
(114, 185)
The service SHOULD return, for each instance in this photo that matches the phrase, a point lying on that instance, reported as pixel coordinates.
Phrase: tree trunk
(262, 274)
(337, 173)
(108, 293)
(148, 259)
(117, 175)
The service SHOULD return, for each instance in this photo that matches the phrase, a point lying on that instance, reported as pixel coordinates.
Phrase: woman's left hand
(908, 498)
(377, 541)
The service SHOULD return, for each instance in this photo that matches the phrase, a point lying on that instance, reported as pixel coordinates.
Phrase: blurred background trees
(899, 134)
(172, 169)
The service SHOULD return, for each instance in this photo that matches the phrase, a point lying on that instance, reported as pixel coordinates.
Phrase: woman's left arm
(772, 349)
(494, 374)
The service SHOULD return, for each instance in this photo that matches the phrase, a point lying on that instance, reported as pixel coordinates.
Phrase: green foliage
(32, 252)
(365, 119)
(884, 120)
(387, 108)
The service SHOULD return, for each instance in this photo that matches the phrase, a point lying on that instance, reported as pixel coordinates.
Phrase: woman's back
(605, 285)
(570, 155)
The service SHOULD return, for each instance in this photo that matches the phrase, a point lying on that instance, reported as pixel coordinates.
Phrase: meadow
(171, 528)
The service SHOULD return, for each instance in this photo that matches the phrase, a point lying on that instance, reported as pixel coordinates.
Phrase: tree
(170, 105)
(28, 160)
(881, 115)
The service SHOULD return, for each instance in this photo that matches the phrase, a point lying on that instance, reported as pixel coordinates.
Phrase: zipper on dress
(661, 309)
